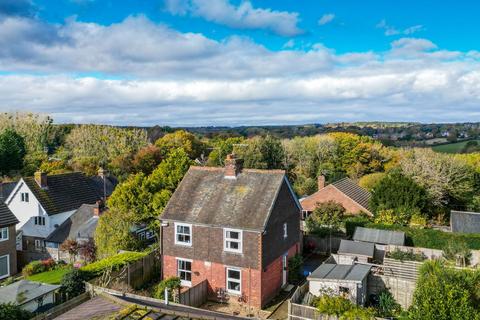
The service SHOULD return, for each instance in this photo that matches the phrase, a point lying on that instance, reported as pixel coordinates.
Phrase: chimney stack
(232, 166)
(41, 179)
(98, 208)
(321, 182)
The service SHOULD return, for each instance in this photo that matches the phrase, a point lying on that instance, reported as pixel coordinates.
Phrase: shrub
(358, 313)
(457, 251)
(326, 217)
(418, 221)
(387, 306)
(333, 305)
(114, 262)
(171, 284)
(13, 311)
(295, 264)
(38, 266)
(398, 254)
(390, 217)
(72, 283)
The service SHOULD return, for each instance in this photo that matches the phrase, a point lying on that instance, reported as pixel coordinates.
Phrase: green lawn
(51, 277)
(455, 147)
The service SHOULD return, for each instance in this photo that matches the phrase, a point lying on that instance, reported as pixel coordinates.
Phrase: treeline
(29, 142)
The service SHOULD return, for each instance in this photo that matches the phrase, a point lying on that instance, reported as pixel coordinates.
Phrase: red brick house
(346, 192)
(234, 228)
(8, 250)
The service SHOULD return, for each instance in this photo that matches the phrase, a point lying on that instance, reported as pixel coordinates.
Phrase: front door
(284, 269)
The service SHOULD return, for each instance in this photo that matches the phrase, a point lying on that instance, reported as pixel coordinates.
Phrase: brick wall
(330, 193)
(272, 276)
(9, 247)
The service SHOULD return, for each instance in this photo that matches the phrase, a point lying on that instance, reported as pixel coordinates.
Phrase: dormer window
(24, 196)
(39, 221)
(183, 234)
(232, 240)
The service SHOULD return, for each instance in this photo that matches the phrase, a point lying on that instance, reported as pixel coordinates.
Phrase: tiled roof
(98, 184)
(65, 192)
(328, 271)
(6, 216)
(354, 192)
(465, 222)
(379, 236)
(70, 228)
(206, 197)
(5, 189)
(356, 248)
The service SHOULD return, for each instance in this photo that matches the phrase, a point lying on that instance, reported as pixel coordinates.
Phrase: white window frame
(8, 267)
(4, 231)
(24, 197)
(285, 230)
(227, 280)
(227, 239)
(41, 244)
(184, 283)
(182, 243)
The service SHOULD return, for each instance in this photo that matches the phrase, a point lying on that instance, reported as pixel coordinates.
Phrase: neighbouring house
(465, 222)
(80, 226)
(42, 203)
(349, 281)
(356, 251)
(30, 295)
(236, 228)
(8, 250)
(346, 192)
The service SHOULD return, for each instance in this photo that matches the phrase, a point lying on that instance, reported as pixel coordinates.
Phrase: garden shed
(465, 222)
(349, 281)
(358, 250)
(379, 236)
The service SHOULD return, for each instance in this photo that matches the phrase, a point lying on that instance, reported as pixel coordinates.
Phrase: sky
(229, 62)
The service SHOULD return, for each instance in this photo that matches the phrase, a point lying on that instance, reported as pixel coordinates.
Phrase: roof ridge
(210, 168)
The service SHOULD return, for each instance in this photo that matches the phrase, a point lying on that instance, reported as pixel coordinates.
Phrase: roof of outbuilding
(379, 236)
(7, 218)
(465, 222)
(353, 191)
(65, 192)
(23, 291)
(206, 197)
(356, 248)
(328, 271)
(72, 227)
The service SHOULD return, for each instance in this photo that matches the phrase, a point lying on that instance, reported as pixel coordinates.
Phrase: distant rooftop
(379, 236)
(354, 192)
(327, 271)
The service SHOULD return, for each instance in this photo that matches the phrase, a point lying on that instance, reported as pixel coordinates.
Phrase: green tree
(12, 311)
(369, 181)
(180, 139)
(442, 293)
(72, 283)
(221, 148)
(147, 159)
(326, 218)
(262, 153)
(113, 233)
(12, 151)
(400, 194)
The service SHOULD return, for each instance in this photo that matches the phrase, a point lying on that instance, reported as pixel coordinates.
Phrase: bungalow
(346, 192)
(235, 228)
(29, 295)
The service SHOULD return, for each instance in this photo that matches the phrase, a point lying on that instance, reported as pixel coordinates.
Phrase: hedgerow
(114, 262)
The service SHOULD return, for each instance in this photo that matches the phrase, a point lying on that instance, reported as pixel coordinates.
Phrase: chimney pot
(321, 182)
(232, 166)
(41, 179)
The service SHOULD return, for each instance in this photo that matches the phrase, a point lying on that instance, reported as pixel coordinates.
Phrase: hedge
(425, 238)
(115, 262)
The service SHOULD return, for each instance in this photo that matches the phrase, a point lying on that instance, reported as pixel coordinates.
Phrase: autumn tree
(72, 247)
(262, 153)
(187, 141)
(147, 159)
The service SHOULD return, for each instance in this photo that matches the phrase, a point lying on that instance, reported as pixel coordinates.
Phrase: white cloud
(392, 31)
(243, 16)
(326, 18)
(151, 74)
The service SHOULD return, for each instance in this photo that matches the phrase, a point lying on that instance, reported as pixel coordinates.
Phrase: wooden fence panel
(195, 296)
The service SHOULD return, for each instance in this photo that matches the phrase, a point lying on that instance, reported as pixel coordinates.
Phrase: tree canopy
(12, 151)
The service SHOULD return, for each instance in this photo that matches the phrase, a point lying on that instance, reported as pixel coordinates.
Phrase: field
(455, 147)
(50, 277)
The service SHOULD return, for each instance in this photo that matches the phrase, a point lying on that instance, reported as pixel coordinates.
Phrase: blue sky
(227, 62)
